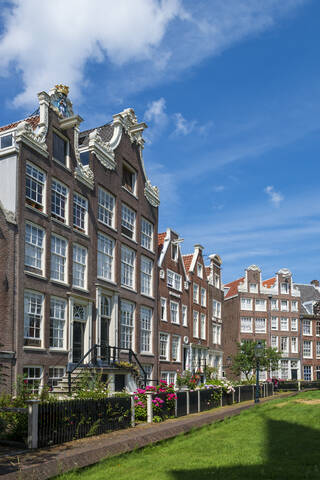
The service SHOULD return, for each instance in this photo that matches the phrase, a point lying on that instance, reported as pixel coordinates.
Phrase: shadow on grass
(293, 453)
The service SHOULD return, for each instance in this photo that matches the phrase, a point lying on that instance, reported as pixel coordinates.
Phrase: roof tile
(187, 260)
(32, 120)
(233, 287)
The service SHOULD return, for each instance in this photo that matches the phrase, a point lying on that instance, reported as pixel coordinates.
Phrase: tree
(245, 359)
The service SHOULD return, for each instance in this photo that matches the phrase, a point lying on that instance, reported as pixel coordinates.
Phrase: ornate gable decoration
(60, 102)
(316, 309)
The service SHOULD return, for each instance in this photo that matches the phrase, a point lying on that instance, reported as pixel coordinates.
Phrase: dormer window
(199, 270)
(128, 179)
(84, 158)
(6, 141)
(253, 287)
(284, 287)
(174, 252)
(59, 149)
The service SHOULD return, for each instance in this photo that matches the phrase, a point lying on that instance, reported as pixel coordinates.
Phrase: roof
(233, 287)
(187, 260)
(269, 283)
(105, 132)
(208, 271)
(309, 293)
(33, 120)
(161, 237)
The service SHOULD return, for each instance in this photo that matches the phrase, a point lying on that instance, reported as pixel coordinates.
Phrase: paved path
(45, 463)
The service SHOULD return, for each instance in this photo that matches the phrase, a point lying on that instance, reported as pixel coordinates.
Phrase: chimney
(316, 283)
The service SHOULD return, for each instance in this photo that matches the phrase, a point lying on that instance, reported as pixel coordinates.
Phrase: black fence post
(69, 383)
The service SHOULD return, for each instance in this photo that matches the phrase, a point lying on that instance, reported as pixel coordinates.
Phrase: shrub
(188, 379)
(162, 402)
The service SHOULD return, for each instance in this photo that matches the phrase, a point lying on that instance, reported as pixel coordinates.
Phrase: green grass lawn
(278, 440)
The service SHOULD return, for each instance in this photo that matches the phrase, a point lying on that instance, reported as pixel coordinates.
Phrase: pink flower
(141, 390)
(164, 382)
(136, 398)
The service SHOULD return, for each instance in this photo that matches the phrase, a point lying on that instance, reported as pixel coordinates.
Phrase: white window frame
(195, 325)
(253, 287)
(246, 304)
(260, 305)
(294, 344)
(147, 230)
(307, 331)
(275, 341)
(146, 337)
(307, 372)
(307, 343)
(259, 329)
(174, 252)
(274, 304)
(203, 297)
(128, 264)
(195, 293)
(177, 339)
(284, 344)
(55, 375)
(184, 310)
(106, 207)
(105, 257)
(318, 349)
(127, 324)
(284, 306)
(33, 318)
(203, 326)
(274, 323)
(80, 213)
(284, 324)
(248, 328)
(35, 248)
(164, 353)
(146, 276)
(163, 309)
(176, 312)
(61, 192)
(79, 267)
(294, 324)
(56, 251)
(30, 380)
(216, 308)
(58, 315)
(128, 221)
(34, 175)
(133, 189)
(199, 270)
(284, 288)
(294, 305)
(174, 280)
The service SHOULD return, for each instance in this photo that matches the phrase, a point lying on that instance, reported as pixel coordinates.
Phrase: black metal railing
(105, 356)
(63, 421)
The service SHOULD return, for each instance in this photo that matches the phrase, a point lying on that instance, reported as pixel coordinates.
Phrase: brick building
(78, 232)
(266, 310)
(310, 330)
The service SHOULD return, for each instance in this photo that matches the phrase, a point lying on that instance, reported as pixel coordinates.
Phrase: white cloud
(275, 197)
(138, 43)
(182, 126)
(157, 116)
(218, 188)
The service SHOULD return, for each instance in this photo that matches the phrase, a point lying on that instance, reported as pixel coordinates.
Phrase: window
(85, 158)
(216, 280)
(146, 329)
(79, 268)
(184, 315)
(33, 378)
(307, 327)
(203, 297)
(216, 308)
(203, 326)
(128, 221)
(56, 374)
(174, 280)
(126, 324)
(34, 247)
(216, 334)
(199, 270)
(318, 328)
(246, 303)
(274, 323)
(59, 201)
(6, 141)
(106, 205)
(146, 275)
(174, 312)
(294, 324)
(33, 314)
(58, 258)
(260, 325)
(195, 293)
(294, 345)
(175, 348)
(164, 344)
(80, 212)
(60, 149)
(253, 287)
(196, 324)
(57, 322)
(318, 349)
(307, 373)
(284, 287)
(284, 369)
(105, 257)
(128, 179)
(246, 325)
(307, 349)
(294, 306)
(35, 187)
(127, 266)
(146, 234)
(274, 305)
(169, 377)
(284, 324)
(284, 306)
(163, 306)
(318, 371)
(260, 305)
(174, 251)
(284, 344)
(274, 341)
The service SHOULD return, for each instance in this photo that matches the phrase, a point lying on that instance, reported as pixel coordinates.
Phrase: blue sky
(231, 93)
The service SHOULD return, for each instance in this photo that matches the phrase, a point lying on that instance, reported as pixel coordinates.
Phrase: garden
(277, 440)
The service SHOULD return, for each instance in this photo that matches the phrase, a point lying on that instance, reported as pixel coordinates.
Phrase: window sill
(108, 226)
(148, 250)
(147, 296)
(164, 360)
(175, 323)
(129, 289)
(84, 235)
(107, 281)
(67, 169)
(128, 238)
(36, 275)
(85, 290)
(35, 210)
(37, 349)
(163, 320)
(147, 354)
(130, 193)
(57, 350)
(58, 222)
(59, 282)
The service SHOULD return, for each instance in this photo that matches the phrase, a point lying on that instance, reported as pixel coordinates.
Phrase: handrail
(70, 371)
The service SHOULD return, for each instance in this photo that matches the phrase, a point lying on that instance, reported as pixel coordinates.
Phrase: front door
(294, 374)
(78, 341)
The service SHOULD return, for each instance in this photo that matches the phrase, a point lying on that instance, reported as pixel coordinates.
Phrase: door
(78, 341)
(294, 374)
